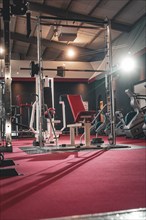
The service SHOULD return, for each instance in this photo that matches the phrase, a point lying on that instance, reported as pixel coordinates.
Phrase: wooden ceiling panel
(58, 3)
(33, 52)
(133, 12)
(109, 8)
(83, 6)
(20, 47)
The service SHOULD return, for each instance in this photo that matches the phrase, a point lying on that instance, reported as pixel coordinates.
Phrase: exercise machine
(119, 126)
(134, 128)
(107, 123)
(62, 103)
(144, 125)
(2, 112)
(119, 129)
(82, 118)
(48, 114)
(98, 126)
(109, 77)
(9, 9)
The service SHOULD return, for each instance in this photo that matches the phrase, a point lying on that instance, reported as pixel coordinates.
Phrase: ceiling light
(128, 64)
(19, 7)
(1, 50)
(71, 53)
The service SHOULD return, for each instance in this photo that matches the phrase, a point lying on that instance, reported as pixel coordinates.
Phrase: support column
(72, 136)
(112, 136)
(7, 74)
(87, 126)
(39, 89)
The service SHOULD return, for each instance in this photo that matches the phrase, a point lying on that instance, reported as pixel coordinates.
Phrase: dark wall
(23, 88)
(27, 89)
(97, 93)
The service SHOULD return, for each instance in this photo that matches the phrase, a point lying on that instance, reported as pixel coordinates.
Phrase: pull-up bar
(92, 21)
(72, 26)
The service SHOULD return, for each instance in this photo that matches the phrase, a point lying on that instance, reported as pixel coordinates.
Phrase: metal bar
(75, 70)
(112, 136)
(7, 74)
(140, 96)
(72, 26)
(39, 87)
(74, 19)
(1, 111)
(53, 11)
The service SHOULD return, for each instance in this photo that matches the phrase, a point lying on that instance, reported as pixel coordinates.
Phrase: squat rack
(7, 77)
(108, 78)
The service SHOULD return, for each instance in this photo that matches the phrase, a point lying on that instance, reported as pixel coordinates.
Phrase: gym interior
(73, 123)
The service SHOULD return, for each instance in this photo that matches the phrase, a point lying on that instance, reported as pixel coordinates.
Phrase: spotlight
(19, 7)
(128, 64)
(1, 50)
(71, 53)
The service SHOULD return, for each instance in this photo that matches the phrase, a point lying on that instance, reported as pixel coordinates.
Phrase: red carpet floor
(73, 183)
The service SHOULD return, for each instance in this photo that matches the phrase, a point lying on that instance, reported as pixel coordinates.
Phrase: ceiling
(90, 41)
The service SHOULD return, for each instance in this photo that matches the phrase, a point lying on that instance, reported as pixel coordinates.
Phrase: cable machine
(109, 86)
(14, 8)
(2, 112)
(9, 8)
(7, 77)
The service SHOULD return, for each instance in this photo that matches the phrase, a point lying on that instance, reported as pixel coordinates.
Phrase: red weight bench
(82, 118)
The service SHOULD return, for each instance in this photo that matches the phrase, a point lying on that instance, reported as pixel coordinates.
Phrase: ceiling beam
(62, 13)
(84, 54)
(45, 42)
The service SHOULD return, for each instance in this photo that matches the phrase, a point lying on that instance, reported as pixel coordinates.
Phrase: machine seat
(85, 116)
(78, 109)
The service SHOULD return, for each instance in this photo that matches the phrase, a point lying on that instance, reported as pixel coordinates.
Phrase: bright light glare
(128, 64)
(1, 50)
(71, 53)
